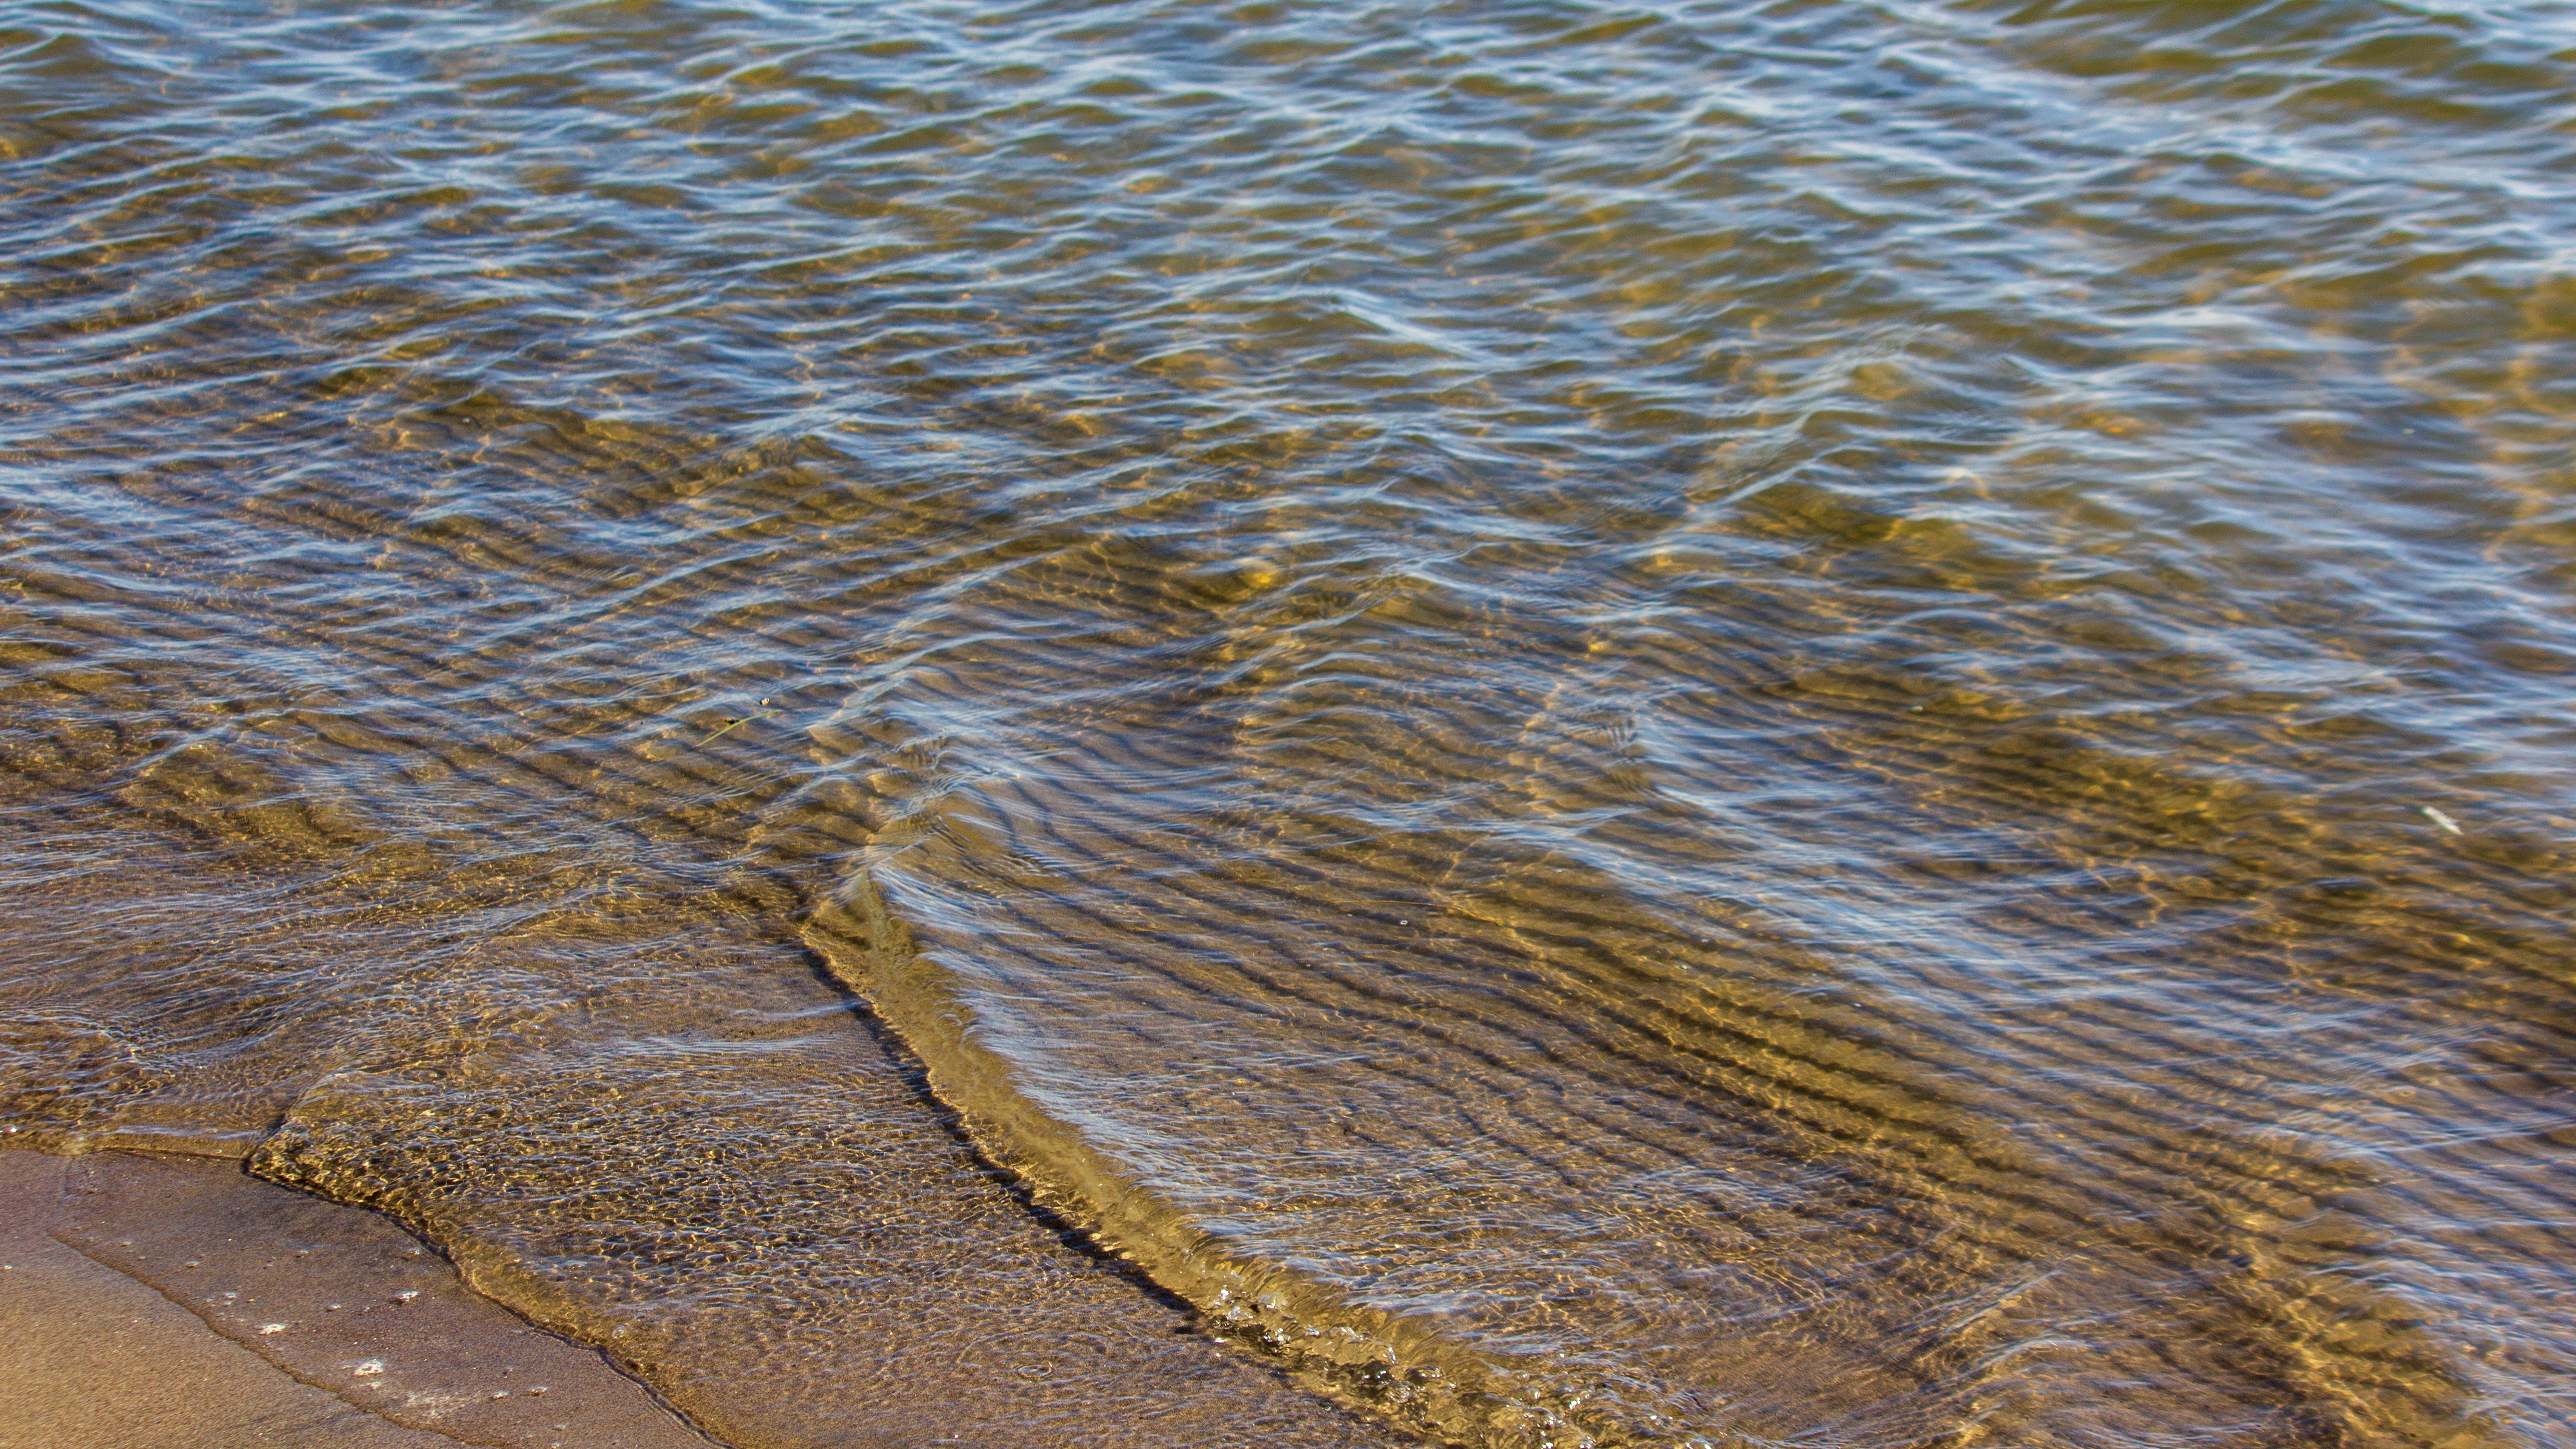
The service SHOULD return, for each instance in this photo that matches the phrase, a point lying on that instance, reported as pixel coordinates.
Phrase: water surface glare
(1838, 723)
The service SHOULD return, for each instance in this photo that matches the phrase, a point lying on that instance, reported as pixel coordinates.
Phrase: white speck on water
(2434, 813)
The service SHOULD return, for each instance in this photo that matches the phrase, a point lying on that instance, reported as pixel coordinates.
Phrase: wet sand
(156, 1301)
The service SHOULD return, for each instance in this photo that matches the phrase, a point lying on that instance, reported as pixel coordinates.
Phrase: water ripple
(1839, 724)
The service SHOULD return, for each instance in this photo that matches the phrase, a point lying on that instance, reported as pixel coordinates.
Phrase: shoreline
(156, 1300)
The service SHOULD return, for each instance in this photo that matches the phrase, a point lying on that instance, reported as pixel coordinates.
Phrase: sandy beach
(154, 1301)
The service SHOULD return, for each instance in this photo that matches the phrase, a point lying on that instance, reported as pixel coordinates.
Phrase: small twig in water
(2434, 814)
(738, 724)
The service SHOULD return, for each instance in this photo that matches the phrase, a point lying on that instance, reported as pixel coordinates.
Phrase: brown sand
(157, 1302)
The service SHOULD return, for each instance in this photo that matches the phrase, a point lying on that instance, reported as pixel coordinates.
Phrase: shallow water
(1830, 724)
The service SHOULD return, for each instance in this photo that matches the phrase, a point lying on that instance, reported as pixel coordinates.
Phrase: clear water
(1829, 724)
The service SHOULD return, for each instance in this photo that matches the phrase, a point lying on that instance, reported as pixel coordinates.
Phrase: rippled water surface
(1829, 724)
